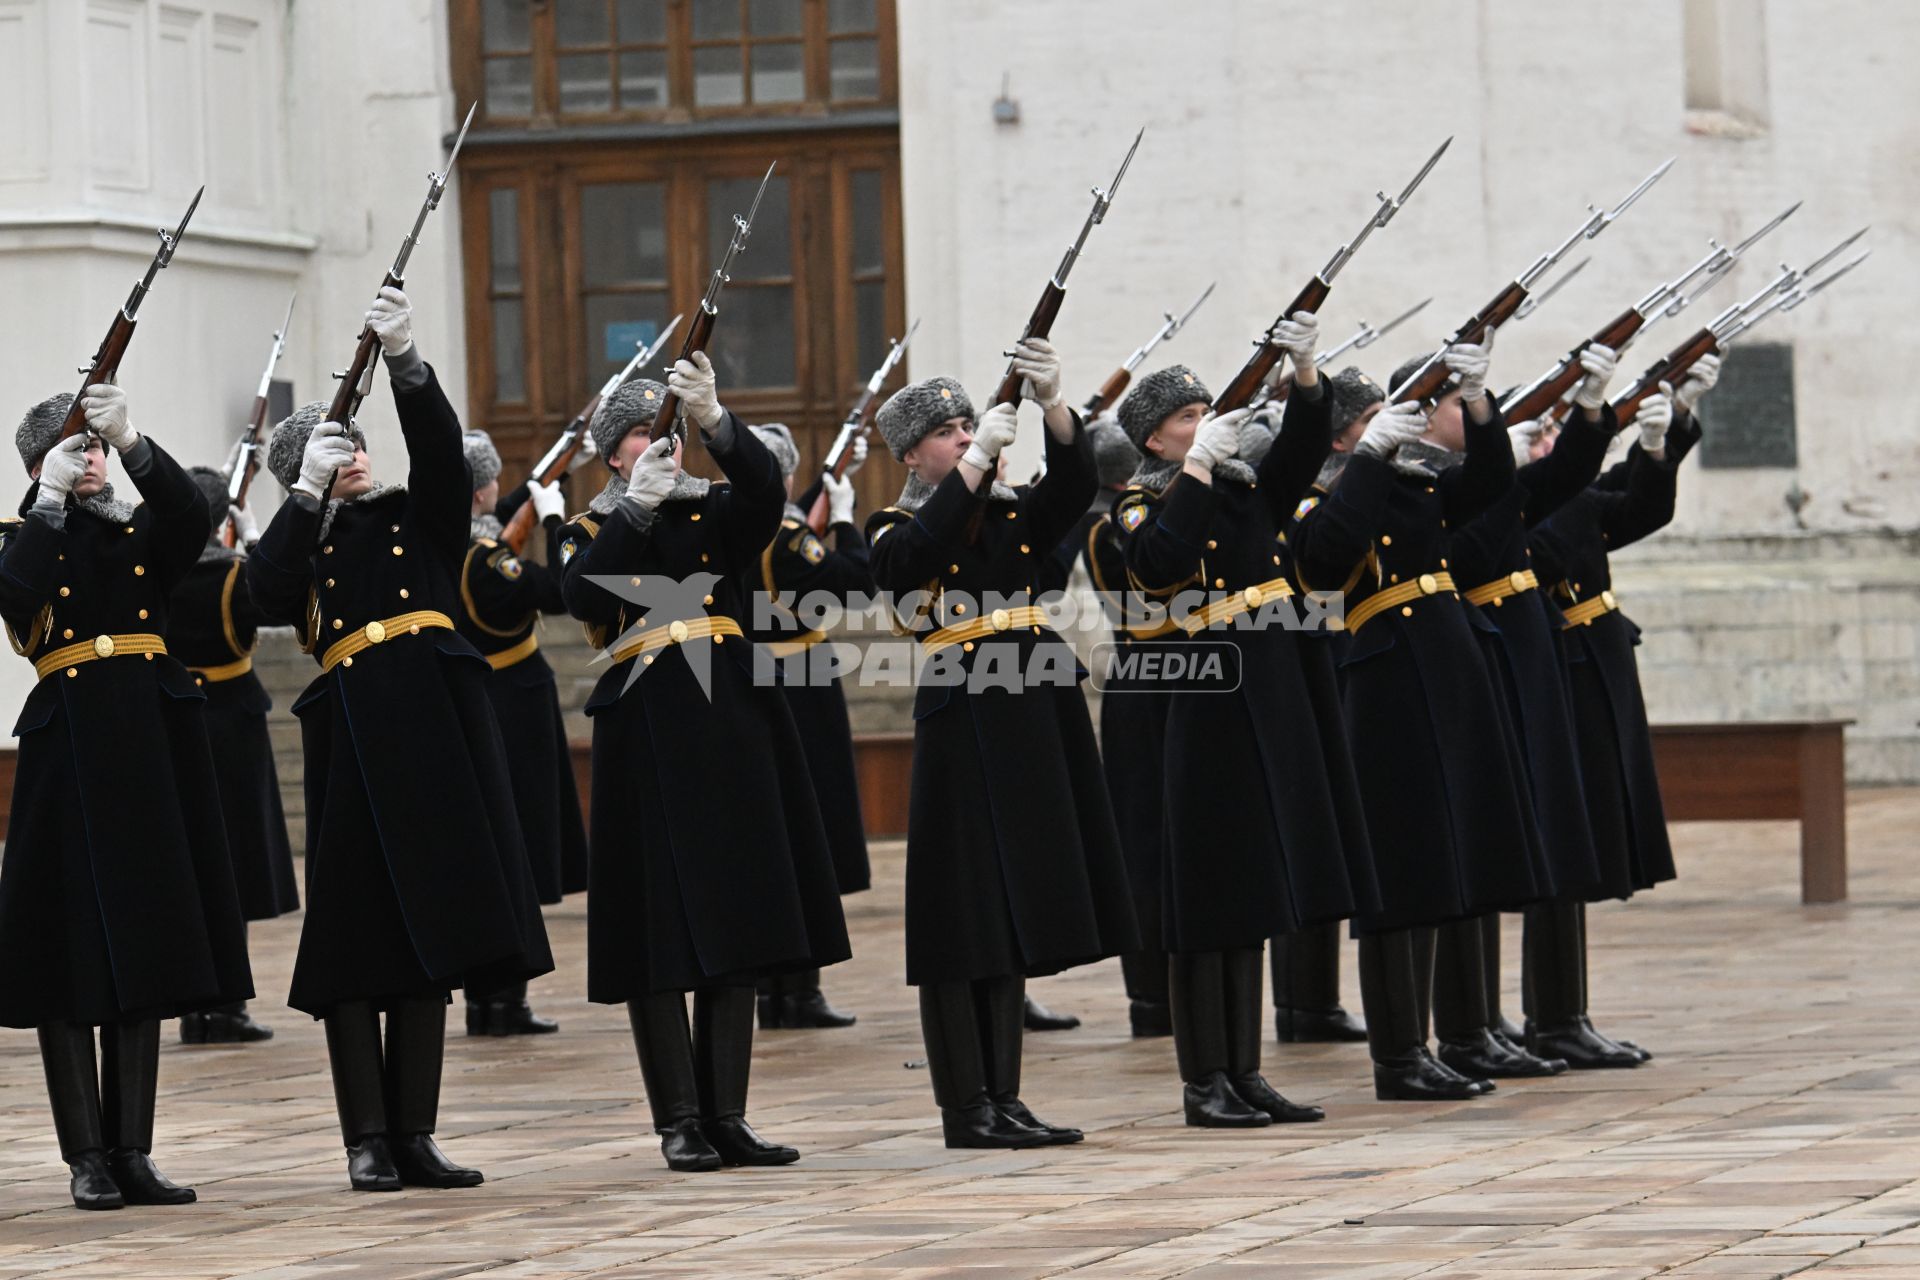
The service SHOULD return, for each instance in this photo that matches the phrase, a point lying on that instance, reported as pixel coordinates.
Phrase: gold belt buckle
(1252, 596)
(1428, 584)
(1606, 598)
(677, 631)
(1001, 619)
(375, 632)
(103, 646)
(1517, 580)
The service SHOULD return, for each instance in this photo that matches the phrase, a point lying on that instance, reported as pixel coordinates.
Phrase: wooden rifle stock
(818, 513)
(697, 336)
(1039, 325)
(1110, 391)
(1246, 384)
(105, 366)
(256, 426)
(1488, 318)
(1565, 375)
(1670, 370)
(520, 528)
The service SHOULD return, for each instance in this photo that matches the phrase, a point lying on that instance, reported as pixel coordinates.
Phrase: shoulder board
(884, 519)
(790, 523)
(11, 520)
(486, 542)
(570, 542)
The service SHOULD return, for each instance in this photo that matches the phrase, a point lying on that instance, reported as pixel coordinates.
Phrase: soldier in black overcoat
(502, 598)
(801, 572)
(417, 878)
(710, 865)
(1451, 829)
(117, 901)
(1014, 868)
(213, 628)
(1265, 831)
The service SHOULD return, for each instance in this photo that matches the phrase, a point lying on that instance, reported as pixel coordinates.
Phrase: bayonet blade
(645, 357)
(1535, 300)
(459, 140)
(1833, 253)
(1418, 178)
(1106, 197)
(1733, 254)
(1818, 285)
(754, 211)
(286, 324)
(1396, 322)
(169, 241)
(1181, 323)
(1633, 195)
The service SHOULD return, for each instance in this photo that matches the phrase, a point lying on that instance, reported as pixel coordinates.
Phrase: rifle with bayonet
(1253, 375)
(858, 422)
(105, 365)
(557, 459)
(247, 461)
(1365, 336)
(1544, 392)
(1432, 375)
(701, 330)
(1110, 390)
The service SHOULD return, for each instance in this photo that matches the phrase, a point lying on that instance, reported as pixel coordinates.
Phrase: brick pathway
(1778, 1131)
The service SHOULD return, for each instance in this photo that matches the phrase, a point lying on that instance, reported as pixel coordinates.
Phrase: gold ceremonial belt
(518, 653)
(1427, 584)
(1164, 627)
(1243, 601)
(71, 656)
(677, 632)
(1584, 612)
(226, 671)
(340, 652)
(999, 620)
(1500, 588)
(797, 644)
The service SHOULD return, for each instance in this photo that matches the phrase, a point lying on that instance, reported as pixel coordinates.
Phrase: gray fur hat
(913, 411)
(1157, 397)
(483, 460)
(631, 404)
(1113, 454)
(289, 443)
(1352, 392)
(213, 483)
(39, 430)
(779, 441)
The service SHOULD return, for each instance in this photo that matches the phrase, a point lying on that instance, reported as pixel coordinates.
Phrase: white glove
(1700, 380)
(1216, 439)
(246, 530)
(994, 432)
(546, 499)
(1392, 427)
(105, 406)
(692, 381)
(839, 499)
(62, 469)
(391, 317)
(1298, 334)
(1470, 361)
(586, 453)
(328, 450)
(1523, 436)
(1035, 360)
(650, 478)
(1598, 361)
(859, 458)
(1653, 419)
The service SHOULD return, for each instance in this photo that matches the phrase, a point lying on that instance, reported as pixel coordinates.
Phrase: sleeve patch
(567, 549)
(506, 564)
(1306, 505)
(1133, 515)
(812, 550)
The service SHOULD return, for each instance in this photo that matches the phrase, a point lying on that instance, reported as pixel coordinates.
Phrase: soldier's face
(1174, 436)
(940, 450)
(1444, 425)
(96, 478)
(1344, 442)
(1544, 444)
(353, 481)
(487, 496)
(632, 445)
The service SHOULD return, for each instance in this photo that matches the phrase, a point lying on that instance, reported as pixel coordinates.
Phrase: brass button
(338, 623)
(1001, 619)
(1219, 583)
(1517, 580)
(375, 632)
(143, 615)
(147, 656)
(677, 631)
(67, 634)
(1406, 611)
(959, 608)
(1607, 598)
(1013, 515)
(1497, 602)
(704, 557)
(646, 659)
(139, 571)
(199, 679)
(103, 646)
(966, 646)
(706, 599)
(953, 568)
(1025, 549)
(395, 528)
(719, 639)
(414, 630)
(1393, 577)
(1428, 584)
(403, 593)
(1212, 544)
(129, 528)
(329, 581)
(1386, 540)
(72, 671)
(1276, 559)
(327, 550)
(1252, 596)
(65, 591)
(399, 551)
(347, 661)
(1443, 562)
(695, 517)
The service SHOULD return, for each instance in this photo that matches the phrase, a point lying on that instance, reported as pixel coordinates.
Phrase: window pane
(623, 237)
(715, 19)
(580, 22)
(586, 84)
(509, 87)
(767, 254)
(716, 77)
(503, 210)
(643, 21)
(774, 17)
(855, 69)
(779, 74)
(869, 238)
(503, 25)
(870, 310)
(643, 79)
(509, 353)
(615, 321)
(753, 338)
(850, 15)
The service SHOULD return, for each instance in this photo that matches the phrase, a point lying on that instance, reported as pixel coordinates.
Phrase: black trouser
(112, 1110)
(1216, 1012)
(1306, 969)
(1554, 963)
(1390, 991)
(697, 1074)
(1460, 980)
(798, 983)
(1145, 975)
(511, 993)
(393, 1089)
(973, 1030)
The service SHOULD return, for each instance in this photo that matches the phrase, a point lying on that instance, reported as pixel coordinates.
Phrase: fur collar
(685, 485)
(372, 495)
(1425, 459)
(485, 525)
(914, 494)
(1155, 474)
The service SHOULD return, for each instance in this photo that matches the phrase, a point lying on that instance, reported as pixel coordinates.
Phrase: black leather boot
(1198, 987)
(229, 1024)
(1306, 989)
(1558, 1027)
(723, 1064)
(129, 1082)
(1419, 1077)
(1001, 1005)
(770, 1001)
(956, 1065)
(1403, 1069)
(1478, 1054)
(416, 1049)
(1145, 975)
(1503, 1027)
(1461, 1019)
(504, 1011)
(805, 1006)
(1241, 969)
(73, 1090)
(359, 1094)
(1040, 1018)
(665, 1047)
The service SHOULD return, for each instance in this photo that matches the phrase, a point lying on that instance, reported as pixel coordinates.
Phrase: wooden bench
(1765, 770)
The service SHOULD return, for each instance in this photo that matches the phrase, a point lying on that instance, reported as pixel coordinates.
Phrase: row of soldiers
(1470, 742)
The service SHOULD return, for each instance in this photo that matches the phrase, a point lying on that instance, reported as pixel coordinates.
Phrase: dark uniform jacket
(116, 893)
(1264, 828)
(1013, 862)
(1633, 499)
(417, 878)
(1451, 825)
(799, 564)
(501, 600)
(212, 627)
(710, 865)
